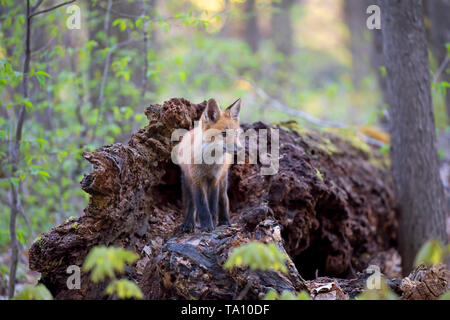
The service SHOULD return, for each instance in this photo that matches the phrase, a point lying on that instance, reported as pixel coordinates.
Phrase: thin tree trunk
(413, 148)
(355, 18)
(16, 205)
(15, 158)
(438, 11)
(252, 35)
(282, 26)
(378, 61)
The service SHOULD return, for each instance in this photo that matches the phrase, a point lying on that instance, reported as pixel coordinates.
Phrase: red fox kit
(204, 183)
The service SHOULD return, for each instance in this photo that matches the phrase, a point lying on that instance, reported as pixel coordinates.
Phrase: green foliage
(286, 295)
(105, 262)
(384, 293)
(125, 289)
(384, 149)
(39, 292)
(432, 253)
(319, 174)
(445, 296)
(258, 256)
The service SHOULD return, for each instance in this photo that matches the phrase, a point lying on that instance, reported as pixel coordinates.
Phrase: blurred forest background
(90, 87)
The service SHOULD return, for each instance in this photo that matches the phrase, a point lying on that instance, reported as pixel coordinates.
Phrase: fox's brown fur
(204, 186)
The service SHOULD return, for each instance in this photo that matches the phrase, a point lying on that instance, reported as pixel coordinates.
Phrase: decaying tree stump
(330, 207)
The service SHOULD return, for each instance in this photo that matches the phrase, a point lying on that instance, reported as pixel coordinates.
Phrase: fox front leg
(224, 218)
(189, 223)
(201, 206)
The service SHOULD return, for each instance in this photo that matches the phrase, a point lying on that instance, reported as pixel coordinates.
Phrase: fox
(204, 185)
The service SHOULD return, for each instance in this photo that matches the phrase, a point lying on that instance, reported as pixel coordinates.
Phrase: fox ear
(212, 111)
(234, 109)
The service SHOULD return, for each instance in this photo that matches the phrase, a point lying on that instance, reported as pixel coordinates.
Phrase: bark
(251, 34)
(330, 207)
(413, 140)
(378, 61)
(282, 27)
(426, 283)
(355, 18)
(438, 11)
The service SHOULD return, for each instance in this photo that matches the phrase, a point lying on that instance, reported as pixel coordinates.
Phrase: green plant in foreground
(432, 253)
(286, 295)
(39, 292)
(264, 257)
(258, 256)
(384, 293)
(104, 262)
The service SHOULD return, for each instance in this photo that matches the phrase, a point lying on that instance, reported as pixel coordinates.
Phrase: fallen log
(331, 202)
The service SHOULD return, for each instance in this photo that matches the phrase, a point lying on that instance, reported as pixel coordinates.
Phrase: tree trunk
(330, 206)
(355, 17)
(413, 147)
(438, 11)
(251, 32)
(282, 26)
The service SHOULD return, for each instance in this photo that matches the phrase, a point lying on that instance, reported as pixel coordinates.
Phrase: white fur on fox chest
(191, 154)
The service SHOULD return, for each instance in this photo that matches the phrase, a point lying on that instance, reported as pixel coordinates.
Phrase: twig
(144, 78)
(126, 15)
(297, 113)
(106, 23)
(104, 76)
(33, 9)
(244, 291)
(50, 42)
(441, 69)
(275, 103)
(51, 8)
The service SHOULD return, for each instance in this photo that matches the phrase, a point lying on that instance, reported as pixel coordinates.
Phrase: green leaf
(125, 289)
(39, 292)
(445, 296)
(271, 295)
(182, 76)
(431, 253)
(14, 181)
(258, 256)
(104, 262)
(303, 295)
(384, 149)
(384, 293)
(43, 73)
(44, 175)
(28, 104)
(287, 295)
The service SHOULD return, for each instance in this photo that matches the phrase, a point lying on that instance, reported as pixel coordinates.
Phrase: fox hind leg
(189, 223)
(213, 202)
(224, 218)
